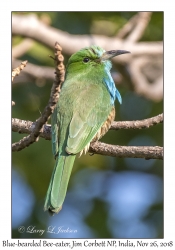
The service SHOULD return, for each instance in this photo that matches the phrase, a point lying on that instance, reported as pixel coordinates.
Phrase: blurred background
(107, 197)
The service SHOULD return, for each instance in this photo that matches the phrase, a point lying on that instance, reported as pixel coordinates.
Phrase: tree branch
(134, 65)
(142, 54)
(26, 127)
(139, 124)
(59, 78)
(17, 71)
(30, 26)
(146, 152)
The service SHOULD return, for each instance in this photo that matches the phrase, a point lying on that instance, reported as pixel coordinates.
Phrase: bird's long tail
(58, 184)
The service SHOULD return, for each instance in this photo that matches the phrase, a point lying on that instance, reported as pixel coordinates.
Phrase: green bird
(83, 114)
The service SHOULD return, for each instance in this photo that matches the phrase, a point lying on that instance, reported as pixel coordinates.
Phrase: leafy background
(107, 197)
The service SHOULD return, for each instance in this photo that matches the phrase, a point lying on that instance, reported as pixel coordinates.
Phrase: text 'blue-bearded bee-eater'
(84, 113)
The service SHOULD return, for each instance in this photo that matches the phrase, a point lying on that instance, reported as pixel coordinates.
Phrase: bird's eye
(86, 59)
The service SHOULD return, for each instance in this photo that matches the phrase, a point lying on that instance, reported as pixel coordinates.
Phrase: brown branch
(30, 26)
(59, 78)
(142, 53)
(16, 71)
(26, 127)
(138, 124)
(146, 152)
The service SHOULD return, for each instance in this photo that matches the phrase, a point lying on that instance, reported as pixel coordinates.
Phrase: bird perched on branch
(83, 114)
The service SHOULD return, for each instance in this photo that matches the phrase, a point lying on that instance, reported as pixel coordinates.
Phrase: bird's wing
(91, 110)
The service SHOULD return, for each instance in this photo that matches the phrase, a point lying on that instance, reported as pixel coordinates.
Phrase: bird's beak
(109, 54)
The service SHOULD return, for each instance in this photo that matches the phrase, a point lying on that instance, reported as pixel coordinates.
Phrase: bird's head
(91, 57)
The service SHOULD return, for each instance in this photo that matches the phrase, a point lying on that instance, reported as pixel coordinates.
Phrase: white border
(169, 86)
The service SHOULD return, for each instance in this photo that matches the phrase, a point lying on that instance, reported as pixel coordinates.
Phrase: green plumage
(83, 107)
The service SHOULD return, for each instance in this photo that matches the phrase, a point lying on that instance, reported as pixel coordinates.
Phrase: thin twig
(59, 78)
(138, 124)
(16, 71)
